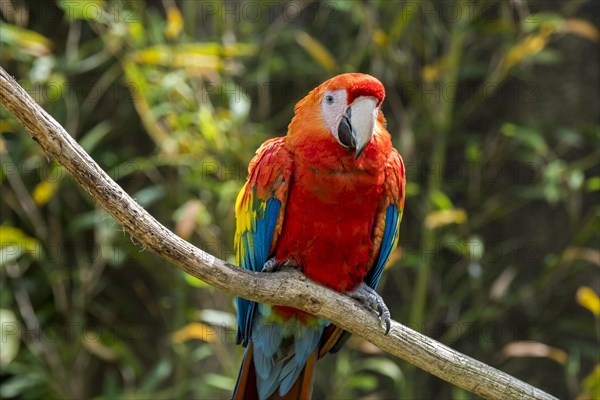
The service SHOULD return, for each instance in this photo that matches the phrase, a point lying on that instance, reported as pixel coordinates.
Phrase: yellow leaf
(380, 38)
(317, 51)
(8, 125)
(174, 23)
(14, 242)
(535, 349)
(590, 385)
(439, 218)
(195, 330)
(9, 235)
(587, 298)
(529, 46)
(433, 72)
(44, 192)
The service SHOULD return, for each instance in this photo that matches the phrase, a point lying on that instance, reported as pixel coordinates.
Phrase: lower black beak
(345, 131)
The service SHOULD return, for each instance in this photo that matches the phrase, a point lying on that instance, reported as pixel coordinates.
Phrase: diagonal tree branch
(281, 288)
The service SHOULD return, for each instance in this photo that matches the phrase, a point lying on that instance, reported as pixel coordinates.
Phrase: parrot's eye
(329, 99)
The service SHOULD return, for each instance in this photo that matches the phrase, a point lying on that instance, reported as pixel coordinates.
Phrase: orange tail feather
(246, 389)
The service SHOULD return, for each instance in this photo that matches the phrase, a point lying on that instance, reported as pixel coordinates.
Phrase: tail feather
(302, 389)
(245, 387)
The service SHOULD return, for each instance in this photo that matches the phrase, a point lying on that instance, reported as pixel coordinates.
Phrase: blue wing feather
(257, 244)
(390, 238)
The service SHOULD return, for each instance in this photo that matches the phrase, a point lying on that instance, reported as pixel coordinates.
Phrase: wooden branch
(281, 288)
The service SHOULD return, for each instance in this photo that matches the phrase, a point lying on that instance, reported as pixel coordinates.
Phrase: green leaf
(89, 10)
(220, 381)
(193, 281)
(383, 366)
(441, 201)
(593, 184)
(95, 135)
(159, 374)
(362, 381)
(18, 385)
(534, 21)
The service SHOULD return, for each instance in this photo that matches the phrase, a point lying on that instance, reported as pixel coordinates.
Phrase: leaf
(593, 184)
(89, 10)
(91, 342)
(194, 282)
(534, 349)
(44, 191)
(582, 253)
(502, 283)
(14, 242)
(362, 381)
(441, 201)
(158, 375)
(436, 219)
(434, 71)
(383, 366)
(195, 330)
(27, 41)
(186, 218)
(202, 56)
(219, 381)
(18, 385)
(174, 23)
(317, 51)
(535, 21)
(527, 136)
(590, 385)
(149, 195)
(11, 336)
(526, 48)
(587, 298)
(581, 28)
(95, 135)
(217, 317)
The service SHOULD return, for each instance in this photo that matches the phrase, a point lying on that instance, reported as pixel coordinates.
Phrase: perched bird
(328, 199)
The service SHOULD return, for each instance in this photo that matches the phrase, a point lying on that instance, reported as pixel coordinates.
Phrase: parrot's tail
(246, 387)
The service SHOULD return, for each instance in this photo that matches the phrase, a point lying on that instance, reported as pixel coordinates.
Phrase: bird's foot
(365, 295)
(272, 265)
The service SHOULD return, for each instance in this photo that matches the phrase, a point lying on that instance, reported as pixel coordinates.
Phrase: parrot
(326, 199)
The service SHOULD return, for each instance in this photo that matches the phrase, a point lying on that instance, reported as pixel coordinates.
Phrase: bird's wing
(260, 208)
(386, 231)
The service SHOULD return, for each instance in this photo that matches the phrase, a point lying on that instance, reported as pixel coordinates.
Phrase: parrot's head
(345, 108)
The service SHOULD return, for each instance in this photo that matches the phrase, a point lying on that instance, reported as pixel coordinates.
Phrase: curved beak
(356, 128)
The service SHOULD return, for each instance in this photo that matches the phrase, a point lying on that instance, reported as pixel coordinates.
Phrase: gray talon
(368, 297)
(270, 266)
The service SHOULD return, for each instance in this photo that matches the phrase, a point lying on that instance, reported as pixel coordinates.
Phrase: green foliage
(493, 105)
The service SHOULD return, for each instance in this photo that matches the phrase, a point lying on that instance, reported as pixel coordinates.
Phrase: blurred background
(494, 106)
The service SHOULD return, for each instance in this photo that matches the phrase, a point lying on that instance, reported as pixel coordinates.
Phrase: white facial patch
(334, 105)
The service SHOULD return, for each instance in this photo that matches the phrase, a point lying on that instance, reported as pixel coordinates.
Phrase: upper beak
(356, 128)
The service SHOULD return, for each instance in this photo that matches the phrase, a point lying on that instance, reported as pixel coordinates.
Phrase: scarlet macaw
(327, 198)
